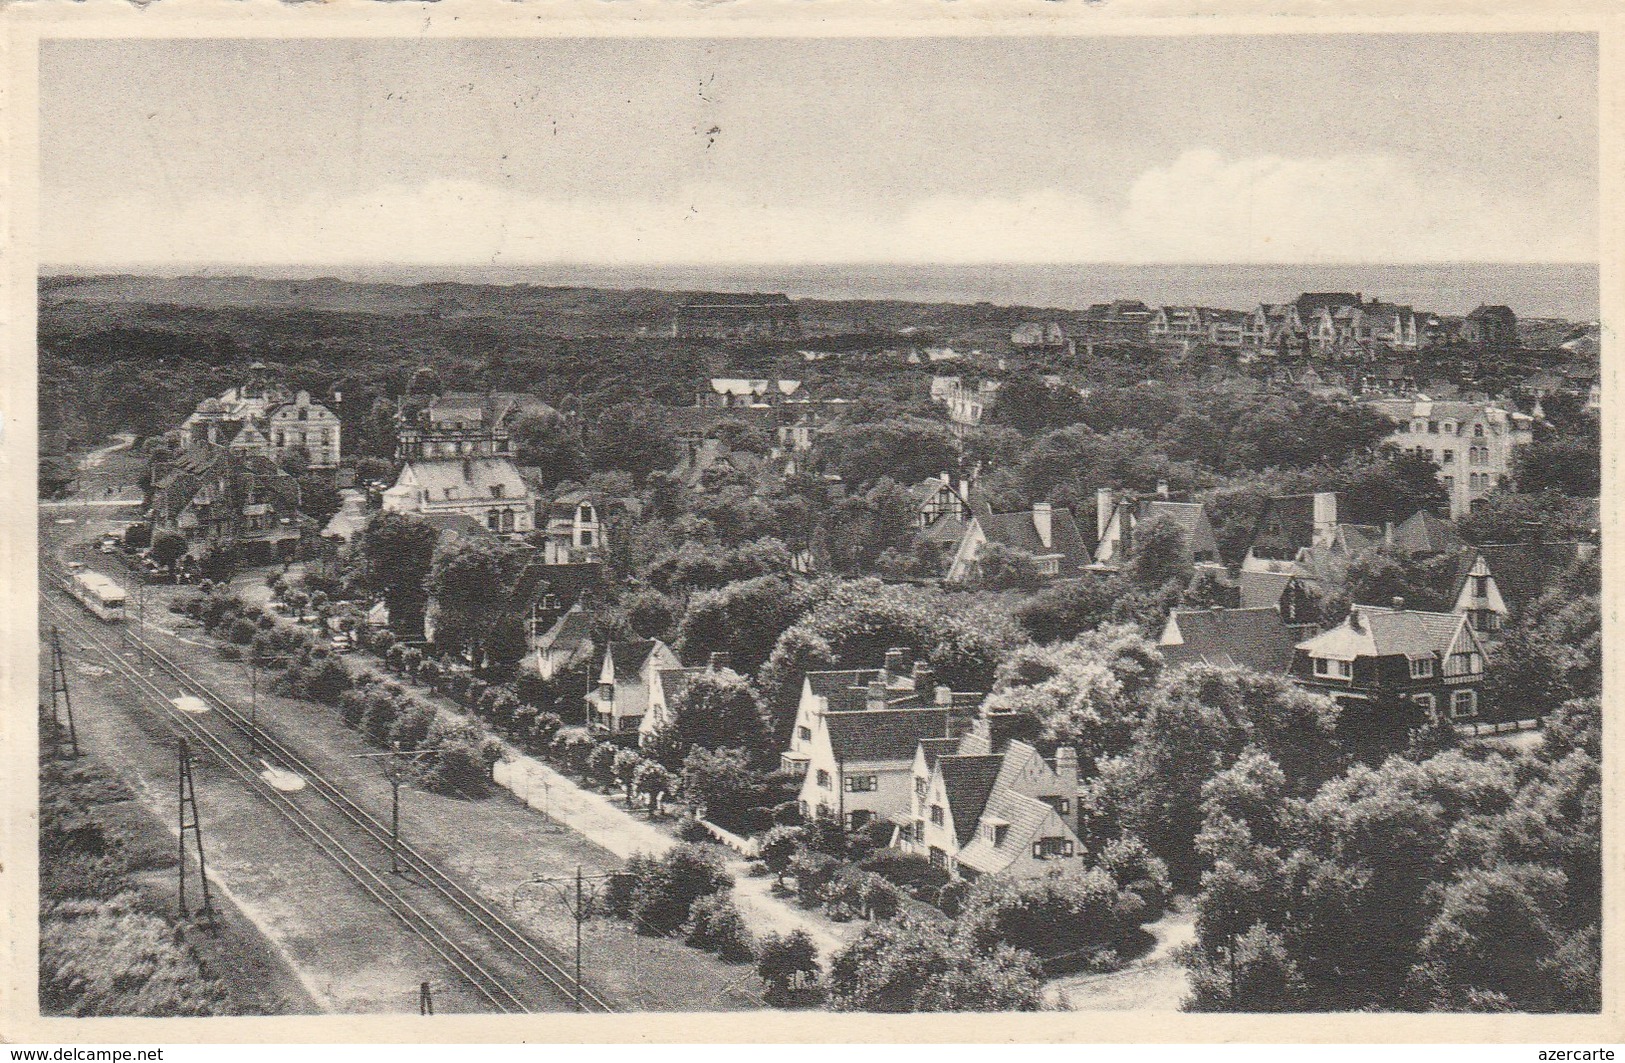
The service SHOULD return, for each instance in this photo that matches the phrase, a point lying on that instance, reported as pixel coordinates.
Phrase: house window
(859, 819)
(1422, 668)
(1481, 586)
(1059, 804)
(936, 815)
(823, 778)
(920, 784)
(804, 733)
(1449, 484)
(1478, 431)
(938, 857)
(1050, 848)
(1426, 701)
(1463, 704)
(493, 520)
(496, 490)
(1433, 427)
(861, 784)
(1325, 666)
(1450, 428)
(919, 830)
(999, 832)
(1449, 456)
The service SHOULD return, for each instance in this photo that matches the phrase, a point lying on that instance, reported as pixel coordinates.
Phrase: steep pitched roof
(883, 734)
(569, 632)
(629, 656)
(1309, 302)
(1023, 818)
(1424, 533)
(1017, 531)
(1285, 525)
(1262, 590)
(968, 780)
(1383, 632)
(934, 748)
(1252, 638)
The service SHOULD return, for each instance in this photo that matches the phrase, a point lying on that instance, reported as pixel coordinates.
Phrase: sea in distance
(1565, 290)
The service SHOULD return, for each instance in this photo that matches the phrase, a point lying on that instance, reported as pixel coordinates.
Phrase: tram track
(513, 945)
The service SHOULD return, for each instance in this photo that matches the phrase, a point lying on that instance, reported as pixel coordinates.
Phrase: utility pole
(61, 704)
(392, 769)
(188, 800)
(252, 663)
(579, 910)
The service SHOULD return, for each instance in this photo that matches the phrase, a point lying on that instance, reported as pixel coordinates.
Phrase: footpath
(595, 817)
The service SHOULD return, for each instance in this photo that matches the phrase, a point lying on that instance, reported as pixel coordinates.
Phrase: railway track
(519, 949)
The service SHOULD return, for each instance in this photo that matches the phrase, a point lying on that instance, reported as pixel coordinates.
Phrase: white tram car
(100, 595)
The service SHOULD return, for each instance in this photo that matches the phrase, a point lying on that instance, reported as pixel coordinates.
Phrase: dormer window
(496, 490)
(1422, 668)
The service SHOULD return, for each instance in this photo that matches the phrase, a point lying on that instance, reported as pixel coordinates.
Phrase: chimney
(1388, 532)
(1162, 488)
(1325, 514)
(922, 677)
(1399, 604)
(719, 661)
(943, 696)
(1042, 514)
(1066, 765)
(875, 698)
(896, 661)
(1103, 512)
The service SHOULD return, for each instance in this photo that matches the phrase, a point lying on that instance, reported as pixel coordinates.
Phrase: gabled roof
(1255, 638)
(883, 734)
(1023, 817)
(968, 780)
(1525, 571)
(629, 657)
(934, 748)
(1263, 590)
(1190, 516)
(1424, 533)
(1285, 525)
(1017, 531)
(1383, 632)
(1357, 538)
(568, 633)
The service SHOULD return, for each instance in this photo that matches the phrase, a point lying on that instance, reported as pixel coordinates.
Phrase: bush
(547, 725)
(412, 724)
(464, 756)
(665, 891)
(915, 874)
(813, 873)
(692, 830)
(788, 814)
(788, 967)
(242, 631)
(353, 707)
(600, 765)
(714, 924)
(951, 897)
(379, 718)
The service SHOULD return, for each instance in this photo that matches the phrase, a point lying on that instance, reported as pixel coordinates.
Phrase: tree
(787, 965)
(1161, 554)
(903, 449)
(1388, 487)
(601, 765)
(167, 547)
(632, 437)
(398, 550)
(475, 585)
(551, 444)
(716, 710)
(650, 614)
(719, 782)
(138, 535)
(626, 765)
(1000, 568)
(654, 782)
(742, 619)
(1064, 610)
(1052, 914)
(778, 848)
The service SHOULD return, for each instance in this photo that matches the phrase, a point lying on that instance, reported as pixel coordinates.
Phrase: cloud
(1201, 207)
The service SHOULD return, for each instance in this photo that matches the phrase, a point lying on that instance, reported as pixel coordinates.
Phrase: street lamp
(393, 768)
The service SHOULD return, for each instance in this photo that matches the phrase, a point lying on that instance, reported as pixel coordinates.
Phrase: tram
(100, 595)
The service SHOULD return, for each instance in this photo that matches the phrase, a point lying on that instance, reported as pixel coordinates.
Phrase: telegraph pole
(61, 704)
(188, 800)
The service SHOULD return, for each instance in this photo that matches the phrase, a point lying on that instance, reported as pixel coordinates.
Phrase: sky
(1330, 149)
